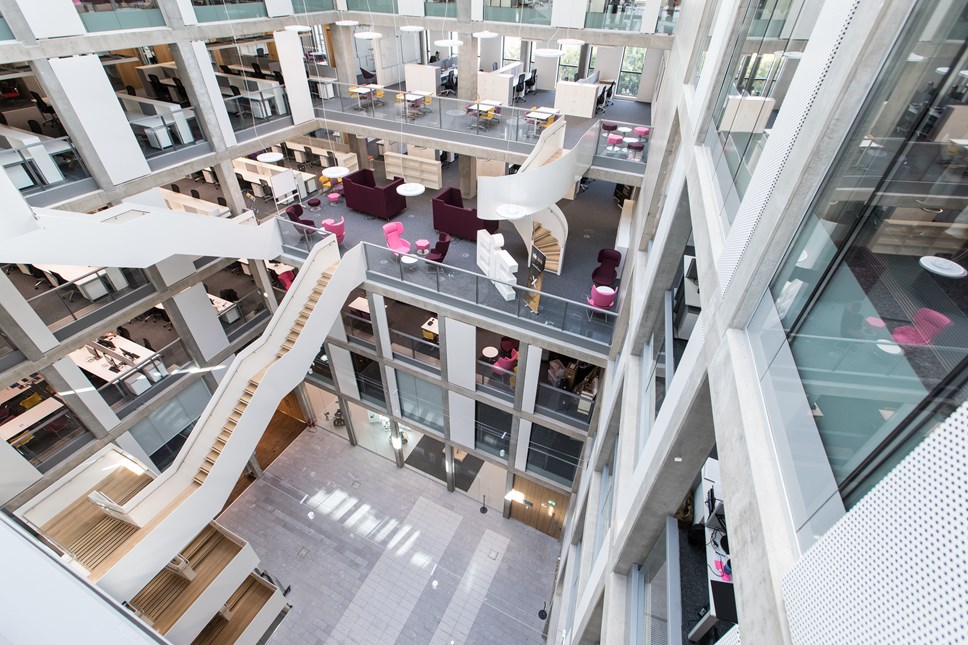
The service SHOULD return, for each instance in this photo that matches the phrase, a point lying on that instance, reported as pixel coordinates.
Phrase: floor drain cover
(492, 555)
(355, 484)
(303, 552)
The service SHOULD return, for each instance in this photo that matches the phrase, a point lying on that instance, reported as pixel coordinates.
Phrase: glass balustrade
(111, 15)
(412, 349)
(50, 163)
(50, 442)
(564, 405)
(623, 141)
(299, 239)
(83, 296)
(372, 6)
(5, 33)
(496, 381)
(622, 15)
(528, 12)
(492, 440)
(263, 102)
(309, 6)
(137, 380)
(502, 122)
(440, 8)
(573, 318)
(216, 10)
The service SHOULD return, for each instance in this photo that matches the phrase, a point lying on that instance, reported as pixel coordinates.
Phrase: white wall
(651, 70)
(608, 60)
(461, 363)
(462, 412)
(490, 53)
(568, 13)
(547, 68)
(410, 7)
(16, 473)
(93, 99)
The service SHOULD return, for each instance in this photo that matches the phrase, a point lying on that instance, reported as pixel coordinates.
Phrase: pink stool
(641, 131)
(423, 247)
(613, 142)
(333, 198)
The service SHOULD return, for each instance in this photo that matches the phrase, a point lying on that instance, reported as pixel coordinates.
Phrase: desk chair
(221, 201)
(124, 333)
(367, 75)
(160, 90)
(494, 66)
(242, 105)
(531, 84)
(194, 193)
(449, 85)
(39, 275)
(279, 78)
(147, 345)
(519, 91)
(174, 188)
(226, 69)
(228, 294)
(34, 127)
(257, 70)
(3, 119)
(130, 90)
(181, 92)
(46, 111)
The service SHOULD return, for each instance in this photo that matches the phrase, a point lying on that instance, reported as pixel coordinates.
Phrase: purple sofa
(450, 216)
(363, 195)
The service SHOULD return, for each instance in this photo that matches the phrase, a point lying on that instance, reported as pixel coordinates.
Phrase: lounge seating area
(363, 195)
(450, 216)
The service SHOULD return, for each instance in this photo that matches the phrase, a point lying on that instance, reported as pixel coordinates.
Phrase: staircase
(548, 244)
(249, 392)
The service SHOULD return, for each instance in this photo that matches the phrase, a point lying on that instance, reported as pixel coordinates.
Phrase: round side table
(490, 353)
(333, 197)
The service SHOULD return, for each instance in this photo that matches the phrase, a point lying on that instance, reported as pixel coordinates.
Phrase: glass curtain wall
(873, 294)
(747, 101)
(630, 76)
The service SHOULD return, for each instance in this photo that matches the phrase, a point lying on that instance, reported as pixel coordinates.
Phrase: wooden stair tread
(97, 544)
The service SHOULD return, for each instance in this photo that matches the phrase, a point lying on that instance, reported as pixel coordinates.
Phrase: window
(633, 61)
(421, 401)
(512, 50)
(568, 63)
(553, 454)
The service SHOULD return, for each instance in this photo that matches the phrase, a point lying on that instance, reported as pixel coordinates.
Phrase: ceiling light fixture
(915, 58)
(570, 42)
(368, 35)
(300, 29)
(448, 42)
(346, 23)
(412, 29)
(270, 157)
(484, 35)
(548, 52)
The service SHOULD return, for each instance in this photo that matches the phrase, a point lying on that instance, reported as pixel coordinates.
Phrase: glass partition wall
(873, 294)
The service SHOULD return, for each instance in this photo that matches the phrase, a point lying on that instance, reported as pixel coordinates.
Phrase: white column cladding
(341, 363)
(568, 13)
(477, 10)
(92, 98)
(520, 456)
(215, 94)
(16, 473)
(277, 8)
(290, 52)
(90, 399)
(378, 320)
(411, 7)
(461, 361)
(18, 217)
(187, 11)
(650, 15)
(461, 412)
(532, 374)
(52, 18)
(130, 445)
(23, 316)
(195, 307)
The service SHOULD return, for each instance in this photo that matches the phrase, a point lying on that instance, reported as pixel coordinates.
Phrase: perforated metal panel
(895, 568)
(730, 638)
(825, 41)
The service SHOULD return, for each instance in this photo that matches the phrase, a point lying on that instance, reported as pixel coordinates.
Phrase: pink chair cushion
(614, 139)
(641, 131)
(332, 197)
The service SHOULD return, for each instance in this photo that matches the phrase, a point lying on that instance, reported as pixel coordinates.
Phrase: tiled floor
(375, 554)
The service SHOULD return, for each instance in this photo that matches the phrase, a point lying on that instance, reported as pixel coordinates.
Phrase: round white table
(335, 172)
(408, 261)
(888, 347)
(942, 266)
(489, 352)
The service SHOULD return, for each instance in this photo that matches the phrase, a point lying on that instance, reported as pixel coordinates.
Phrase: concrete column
(171, 13)
(591, 523)
(350, 428)
(190, 71)
(464, 13)
(467, 172)
(358, 145)
(584, 58)
(80, 397)
(57, 97)
(424, 47)
(344, 51)
(449, 468)
(467, 68)
(395, 443)
(614, 620)
(508, 486)
(21, 324)
(253, 467)
(305, 405)
(231, 190)
(261, 277)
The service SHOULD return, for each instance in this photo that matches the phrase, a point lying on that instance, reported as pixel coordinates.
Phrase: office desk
(476, 110)
(323, 86)
(154, 127)
(263, 94)
(364, 97)
(323, 148)
(123, 369)
(172, 114)
(31, 417)
(35, 148)
(227, 311)
(360, 307)
(538, 120)
(255, 171)
(189, 204)
(275, 267)
(90, 281)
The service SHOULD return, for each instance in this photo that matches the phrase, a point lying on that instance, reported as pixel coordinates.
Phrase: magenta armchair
(607, 271)
(336, 228)
(395, 243)
(450, 216)
(363, 195)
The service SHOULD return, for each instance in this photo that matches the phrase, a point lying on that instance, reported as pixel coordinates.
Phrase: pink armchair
(395, 243)
(928, 323)
(336, 228)
(363, 195)
(602, 297)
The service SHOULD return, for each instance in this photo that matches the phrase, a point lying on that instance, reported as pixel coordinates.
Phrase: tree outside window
(568, 63)
(512, 50)
(633, 61)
